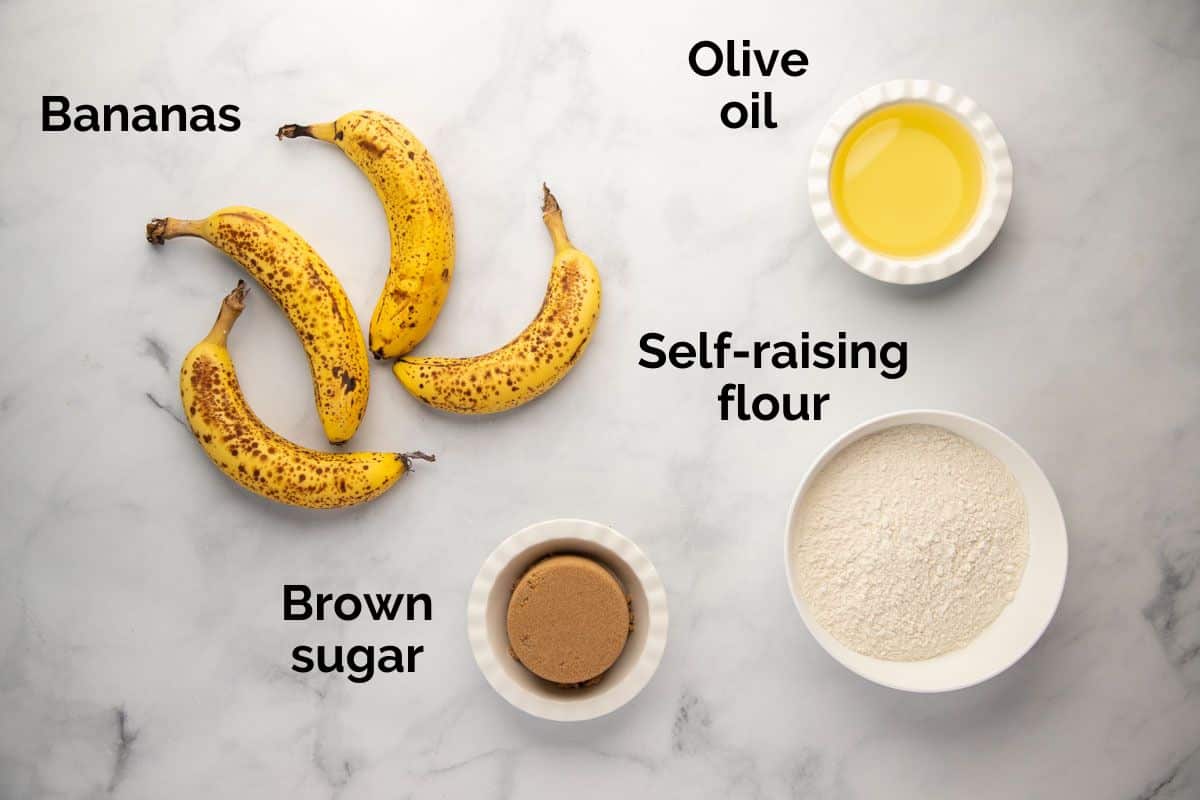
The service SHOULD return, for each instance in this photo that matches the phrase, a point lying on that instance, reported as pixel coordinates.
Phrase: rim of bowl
(896, 418)
(619, 548)
(993, 205)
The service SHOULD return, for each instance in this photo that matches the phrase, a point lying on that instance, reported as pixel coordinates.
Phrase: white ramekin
(993, 205)
(487, 611)
(1019, 625)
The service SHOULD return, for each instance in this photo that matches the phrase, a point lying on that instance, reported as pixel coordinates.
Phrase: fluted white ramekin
(993, 205)
(487, 612)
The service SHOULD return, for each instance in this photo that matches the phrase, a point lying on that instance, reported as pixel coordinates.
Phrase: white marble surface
(142, 653)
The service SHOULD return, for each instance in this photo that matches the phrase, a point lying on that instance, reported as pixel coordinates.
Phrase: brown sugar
(568, 619)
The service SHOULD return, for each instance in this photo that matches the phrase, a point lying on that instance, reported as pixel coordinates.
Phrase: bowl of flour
(926, 551)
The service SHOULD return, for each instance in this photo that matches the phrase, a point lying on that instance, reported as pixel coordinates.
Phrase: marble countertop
(142, 650)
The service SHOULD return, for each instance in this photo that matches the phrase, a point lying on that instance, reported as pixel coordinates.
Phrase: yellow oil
(906, 179)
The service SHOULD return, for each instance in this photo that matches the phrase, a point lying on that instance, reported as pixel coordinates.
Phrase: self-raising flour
(911, 542)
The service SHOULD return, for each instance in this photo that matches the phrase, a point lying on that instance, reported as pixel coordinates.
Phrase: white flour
(911, 542)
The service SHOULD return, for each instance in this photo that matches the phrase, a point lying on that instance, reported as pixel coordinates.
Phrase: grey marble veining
(142, 652)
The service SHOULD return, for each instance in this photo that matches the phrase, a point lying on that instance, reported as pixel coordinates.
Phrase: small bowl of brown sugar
(567, 620)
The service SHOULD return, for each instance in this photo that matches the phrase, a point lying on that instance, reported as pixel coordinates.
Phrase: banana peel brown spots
(256, 457)
(310, 295)
(410, 187)
(372, 147)
(349, 382)
(533, 362)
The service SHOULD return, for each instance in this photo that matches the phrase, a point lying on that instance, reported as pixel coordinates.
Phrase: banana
(534, 361)
(419, 217)
(255, 456)
(308, 292)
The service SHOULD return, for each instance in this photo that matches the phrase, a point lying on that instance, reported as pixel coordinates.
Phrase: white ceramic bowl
(1019, 625)
(487, 611)
(993, 205)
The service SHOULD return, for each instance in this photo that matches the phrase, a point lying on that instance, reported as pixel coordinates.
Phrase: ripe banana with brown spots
(419, 217)
(254, 455)
(534, 361)
(296, 278)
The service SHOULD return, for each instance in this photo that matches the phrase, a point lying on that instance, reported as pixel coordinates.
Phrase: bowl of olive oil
(910, 181)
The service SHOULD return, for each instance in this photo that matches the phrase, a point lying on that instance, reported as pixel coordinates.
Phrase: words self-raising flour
(911, 542)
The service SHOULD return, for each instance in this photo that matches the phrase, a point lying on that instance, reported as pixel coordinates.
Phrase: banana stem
(407, 458)
(322, 130)
(159, 229)
(552, 216)
(231, 309)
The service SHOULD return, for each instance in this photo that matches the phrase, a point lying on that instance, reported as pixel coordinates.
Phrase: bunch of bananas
(291, 272)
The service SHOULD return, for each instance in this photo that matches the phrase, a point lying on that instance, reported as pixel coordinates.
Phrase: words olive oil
(906, 179)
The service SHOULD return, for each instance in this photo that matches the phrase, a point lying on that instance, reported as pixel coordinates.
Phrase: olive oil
(907, 179)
